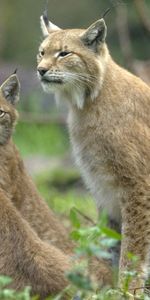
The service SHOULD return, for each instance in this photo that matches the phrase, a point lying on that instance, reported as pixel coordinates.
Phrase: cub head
(9, 96)
(72, 62)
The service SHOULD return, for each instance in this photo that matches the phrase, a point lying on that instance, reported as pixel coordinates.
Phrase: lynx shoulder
(109, 126)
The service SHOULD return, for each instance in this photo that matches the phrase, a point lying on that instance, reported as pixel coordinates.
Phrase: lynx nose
(42, 71)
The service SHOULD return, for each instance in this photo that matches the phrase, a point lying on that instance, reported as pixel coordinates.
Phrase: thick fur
(109, 125)
(35, 247)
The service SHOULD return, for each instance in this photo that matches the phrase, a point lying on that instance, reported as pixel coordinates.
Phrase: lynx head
(9, 96)
(71, 63)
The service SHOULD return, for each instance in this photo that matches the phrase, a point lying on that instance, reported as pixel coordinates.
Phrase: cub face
(71, 62)
(9, 96)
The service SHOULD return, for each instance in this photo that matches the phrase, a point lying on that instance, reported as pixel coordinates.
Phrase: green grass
(49, 139)
(61, 189)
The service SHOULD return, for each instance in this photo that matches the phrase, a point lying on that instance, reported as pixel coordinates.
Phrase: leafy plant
(92, 241)
(10, 294)
(96, 241)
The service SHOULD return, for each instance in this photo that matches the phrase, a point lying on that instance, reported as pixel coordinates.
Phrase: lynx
(34, 246)
(109, 125)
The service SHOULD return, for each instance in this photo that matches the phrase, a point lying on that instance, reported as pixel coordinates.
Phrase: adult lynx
(109, 125)
(30, 234)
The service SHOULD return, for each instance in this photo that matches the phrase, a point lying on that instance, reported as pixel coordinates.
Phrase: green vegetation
(91, 242)
(10, 294)
(48, 139)
(62, 189)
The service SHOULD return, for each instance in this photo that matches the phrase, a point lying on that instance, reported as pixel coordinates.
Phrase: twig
(85, 216)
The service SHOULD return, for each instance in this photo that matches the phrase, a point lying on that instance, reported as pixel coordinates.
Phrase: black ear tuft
(44, 21)
(107, 11)
(45, 18)
(11, 89)
(15, 72)
(45, 14)
(46, 25)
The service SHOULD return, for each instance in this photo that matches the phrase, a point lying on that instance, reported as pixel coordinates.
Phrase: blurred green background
(41, 134)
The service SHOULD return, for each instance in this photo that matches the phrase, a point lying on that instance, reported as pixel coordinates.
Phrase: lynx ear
(46, 25)
(95, 34)
(11, 89)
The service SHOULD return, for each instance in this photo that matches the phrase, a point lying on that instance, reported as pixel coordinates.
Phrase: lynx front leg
(135, 238)
(27, 259)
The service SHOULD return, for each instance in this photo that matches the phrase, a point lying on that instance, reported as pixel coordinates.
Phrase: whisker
(75, 84)
(82, 75)
(80, 78)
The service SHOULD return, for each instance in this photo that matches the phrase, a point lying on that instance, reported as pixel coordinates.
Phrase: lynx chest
(92, 164)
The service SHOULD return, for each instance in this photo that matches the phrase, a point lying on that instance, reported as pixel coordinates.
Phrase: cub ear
(11, 89)
(95, 34)
(46, 25)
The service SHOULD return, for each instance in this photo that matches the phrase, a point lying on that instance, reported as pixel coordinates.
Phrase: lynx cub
(109, 125)
(30, 234)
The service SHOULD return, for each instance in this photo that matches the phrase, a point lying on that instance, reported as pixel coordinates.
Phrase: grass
(63, 190)
(48, 139)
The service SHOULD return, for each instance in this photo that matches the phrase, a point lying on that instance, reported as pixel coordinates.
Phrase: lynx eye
(64, 53)
(2, 113)
(42, 52)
